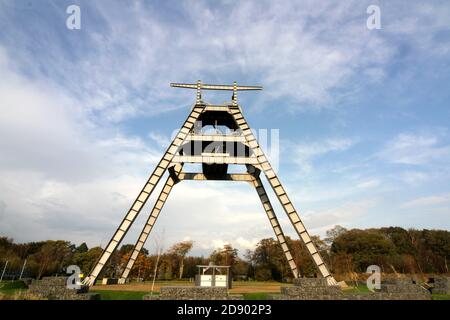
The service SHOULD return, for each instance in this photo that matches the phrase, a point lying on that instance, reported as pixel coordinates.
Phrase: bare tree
(333, 233)
(159, 244)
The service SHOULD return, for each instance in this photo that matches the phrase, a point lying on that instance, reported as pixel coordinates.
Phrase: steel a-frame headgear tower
(215, 152)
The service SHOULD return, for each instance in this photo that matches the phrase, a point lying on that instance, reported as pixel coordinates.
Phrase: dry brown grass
(141, 286)
(238, 287)
(267, 287)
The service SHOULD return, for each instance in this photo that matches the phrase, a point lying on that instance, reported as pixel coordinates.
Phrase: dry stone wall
(309, 289)
(317, 289)
(441, 285)
(193, 293)
(55, 288)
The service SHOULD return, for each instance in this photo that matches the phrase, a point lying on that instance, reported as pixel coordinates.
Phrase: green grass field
(441, 296)
(120, 295)
(359, 289)
(11, 288)
(255, 296)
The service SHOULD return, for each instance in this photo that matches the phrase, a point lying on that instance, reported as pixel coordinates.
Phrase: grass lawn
(10, 292)
(11, 288)
(120, 295)
(359, 289)
(440, 296)
(256, 296)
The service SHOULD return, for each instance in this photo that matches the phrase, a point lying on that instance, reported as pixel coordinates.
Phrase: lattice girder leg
(281, 194)
(159, 204)
(257, 183)
(144, 194)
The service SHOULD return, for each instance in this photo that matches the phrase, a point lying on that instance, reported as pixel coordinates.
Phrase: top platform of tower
(199, 86)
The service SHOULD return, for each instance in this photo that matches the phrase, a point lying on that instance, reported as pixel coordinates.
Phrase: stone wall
(193, 293)
(317, 289)
(395, 290)
(55, 288)
(441, 285)
(309, 289)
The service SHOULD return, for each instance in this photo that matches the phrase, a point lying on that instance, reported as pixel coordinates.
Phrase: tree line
(394, 249)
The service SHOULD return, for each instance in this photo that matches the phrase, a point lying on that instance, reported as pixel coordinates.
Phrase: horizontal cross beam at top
(215, 87)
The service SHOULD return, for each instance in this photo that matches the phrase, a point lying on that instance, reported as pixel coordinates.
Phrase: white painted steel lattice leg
(144, 194)
(257, 183)
(159, 204)
(281, 194)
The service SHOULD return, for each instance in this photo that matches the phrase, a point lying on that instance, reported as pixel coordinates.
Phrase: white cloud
(61, 176)
(304, 153)
(369, 184)
(324, 219)
(241, 243)
(214, 213)
(308, 53)
(415, 177)
(415, 149)
(217, 244)
(429, 201)
(161, 139)
(421, 26)
(249, 244)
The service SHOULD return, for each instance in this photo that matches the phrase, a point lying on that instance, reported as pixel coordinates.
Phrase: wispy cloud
(415, 149)
(345, 214)
(160, 139)
(60, 174)
(304, 153)
(369, 184)
(429, 201)
(415, 177)
(308, 53)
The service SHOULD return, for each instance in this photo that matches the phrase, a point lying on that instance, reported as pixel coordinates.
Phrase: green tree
(367, 247)
(82, 248)
(179, 251)
(86, 260)
(52, 258)
(333, 233)
(225, 256)
(269, 262)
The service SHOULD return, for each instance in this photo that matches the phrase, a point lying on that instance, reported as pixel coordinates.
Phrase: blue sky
(85, 114)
